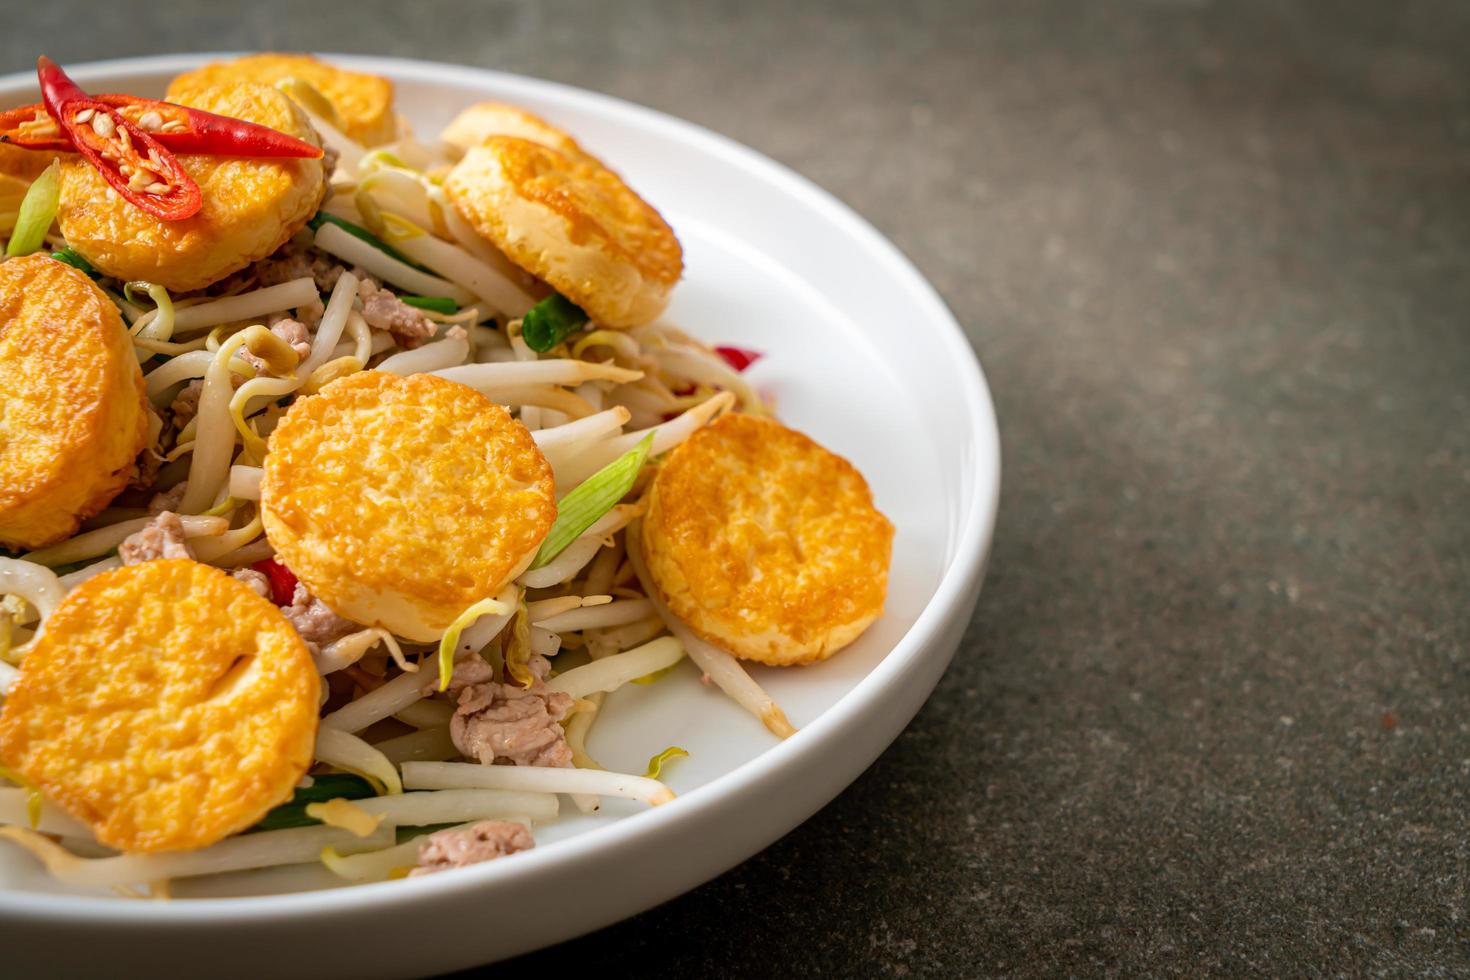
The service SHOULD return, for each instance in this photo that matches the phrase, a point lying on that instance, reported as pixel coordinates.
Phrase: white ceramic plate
(863, 356)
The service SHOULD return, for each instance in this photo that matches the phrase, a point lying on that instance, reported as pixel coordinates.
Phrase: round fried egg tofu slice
(479, 122)
(24, 165)
(572, 223)
(165, 705)
(251, 205)
(765, 543)
(363, 102)
(401, 501)
(73, 409)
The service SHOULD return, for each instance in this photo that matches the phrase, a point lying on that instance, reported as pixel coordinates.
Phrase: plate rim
(958, 584)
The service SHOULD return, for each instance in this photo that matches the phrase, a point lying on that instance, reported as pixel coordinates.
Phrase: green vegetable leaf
(37, 211)
(329, 787)
(594, 497)
(71, 258)
(656, 764)
(450, 639)
(439, 304)
(359, 232)
(551, 321)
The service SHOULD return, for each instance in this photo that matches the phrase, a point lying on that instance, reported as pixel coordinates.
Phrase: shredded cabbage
(450, 639)
(518, 647)
(656, 764)
(592, 498)
(37, 211)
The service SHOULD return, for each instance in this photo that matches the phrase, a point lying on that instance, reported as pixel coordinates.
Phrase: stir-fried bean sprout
(245, 306)
(298, 845)
(534, 779)
(474, 275)
(430, 357)
(331, 238)
(389, 277)
(613, 672)
(345, 751)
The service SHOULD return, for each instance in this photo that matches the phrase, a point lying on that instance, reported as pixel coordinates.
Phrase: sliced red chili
(180, 128)
(281, 578)
(186, 130)
(136, 165)
(739, 358)
(31, 127)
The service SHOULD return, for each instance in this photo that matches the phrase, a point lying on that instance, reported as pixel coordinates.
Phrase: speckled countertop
(1211, 715)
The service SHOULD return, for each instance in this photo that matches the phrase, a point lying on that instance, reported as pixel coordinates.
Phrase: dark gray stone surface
(1211, 716)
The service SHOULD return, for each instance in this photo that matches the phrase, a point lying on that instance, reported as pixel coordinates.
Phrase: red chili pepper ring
(282, 580)
(180, 128)
(136, 165)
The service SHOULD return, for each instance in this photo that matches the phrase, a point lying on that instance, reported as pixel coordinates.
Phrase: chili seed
(103, 126)
(150, 121)
(157, 188)
(85, 115)
(140, 180)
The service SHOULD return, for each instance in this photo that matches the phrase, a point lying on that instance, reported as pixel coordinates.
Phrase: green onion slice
(71, 258)
(359, 232)
(332, 786)
(656, 764)
(439, 304)
(594, 497)
(551, 321)
(37, 211)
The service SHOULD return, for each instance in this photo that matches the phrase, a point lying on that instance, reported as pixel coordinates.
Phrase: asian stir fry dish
(343, 475)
